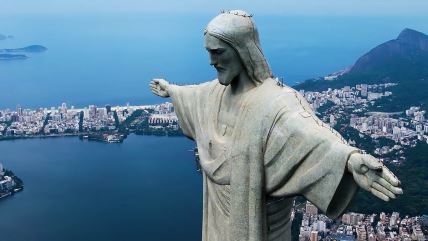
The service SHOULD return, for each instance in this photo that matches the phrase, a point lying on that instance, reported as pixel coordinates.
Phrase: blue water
(147, 187)
(110, 58)
(143, 189)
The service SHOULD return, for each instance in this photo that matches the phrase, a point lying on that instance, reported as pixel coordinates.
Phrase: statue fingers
(383, 190)
(389, 176)
(153, 88)
(387, 185)
(379, 195)
(155, 91)
(157, 80)
(363, 182)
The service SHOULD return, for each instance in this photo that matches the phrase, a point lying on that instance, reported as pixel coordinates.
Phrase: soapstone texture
(260, 144)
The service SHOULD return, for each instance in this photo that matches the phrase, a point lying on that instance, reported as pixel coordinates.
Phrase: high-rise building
(102, 113)
(86, 113)
(419, 116)
(396, 133)
(419, 129)
(311, 209)
(314, 236)
(92, 111)
(108, 108)
(361, 233)
(19, 110)
(364, 90)
(322, 226)
(354, 219)
(346, 218)
(394, 219)
(382, 217)
(332, 120)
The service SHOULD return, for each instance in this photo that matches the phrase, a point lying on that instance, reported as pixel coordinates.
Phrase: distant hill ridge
(408, 45)
(403, 60)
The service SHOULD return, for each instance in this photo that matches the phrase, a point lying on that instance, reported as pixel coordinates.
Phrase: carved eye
(216, 51)
(220, 51)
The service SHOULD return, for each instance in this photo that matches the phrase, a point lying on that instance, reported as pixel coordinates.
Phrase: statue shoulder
(286, 98)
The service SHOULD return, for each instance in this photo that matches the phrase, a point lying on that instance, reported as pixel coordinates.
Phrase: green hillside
(403, 60)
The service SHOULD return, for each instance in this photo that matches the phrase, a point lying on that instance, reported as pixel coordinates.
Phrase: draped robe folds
(278, 149)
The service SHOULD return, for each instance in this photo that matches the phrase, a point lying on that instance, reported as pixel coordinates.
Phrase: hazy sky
(295, 7)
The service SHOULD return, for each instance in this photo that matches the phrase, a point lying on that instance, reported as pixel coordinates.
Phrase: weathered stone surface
(260, 144)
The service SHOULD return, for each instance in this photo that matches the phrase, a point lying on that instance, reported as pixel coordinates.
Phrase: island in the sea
(3, 37)
(28, 49)
(9, 183)
(13, 56)
(6, 54)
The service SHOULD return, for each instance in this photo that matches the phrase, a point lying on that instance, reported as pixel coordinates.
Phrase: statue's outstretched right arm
(160, 87)
(188, 101)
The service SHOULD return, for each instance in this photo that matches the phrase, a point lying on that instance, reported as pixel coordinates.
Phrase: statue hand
(371, 175)
(159, 87)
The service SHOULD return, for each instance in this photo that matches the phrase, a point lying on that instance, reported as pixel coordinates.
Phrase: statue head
(233, 44)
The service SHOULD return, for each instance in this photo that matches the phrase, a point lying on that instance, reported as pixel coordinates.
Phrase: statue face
(224, 59)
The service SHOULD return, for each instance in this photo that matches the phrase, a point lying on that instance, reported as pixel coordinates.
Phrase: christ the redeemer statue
(260, 144)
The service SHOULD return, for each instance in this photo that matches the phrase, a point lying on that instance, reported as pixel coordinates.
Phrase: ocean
(110, 58)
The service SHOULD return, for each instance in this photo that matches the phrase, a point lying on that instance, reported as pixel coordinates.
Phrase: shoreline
(79, 135)
(16, 190)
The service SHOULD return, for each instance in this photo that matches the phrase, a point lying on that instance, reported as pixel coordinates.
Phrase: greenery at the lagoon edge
(19, 183)
(142, 126)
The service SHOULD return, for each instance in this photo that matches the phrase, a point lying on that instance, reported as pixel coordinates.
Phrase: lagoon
(146, 188)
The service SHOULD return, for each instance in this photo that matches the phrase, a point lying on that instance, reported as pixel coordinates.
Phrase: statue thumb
(373, 163)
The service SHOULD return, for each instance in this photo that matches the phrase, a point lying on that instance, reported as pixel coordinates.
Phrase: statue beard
(226, 77)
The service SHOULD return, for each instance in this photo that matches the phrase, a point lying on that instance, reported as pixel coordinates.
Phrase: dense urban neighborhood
(350, 110)
(352, 107)
(110, 124)
(358, 226)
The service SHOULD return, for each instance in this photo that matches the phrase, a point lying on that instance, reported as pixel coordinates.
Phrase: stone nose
(213, 60)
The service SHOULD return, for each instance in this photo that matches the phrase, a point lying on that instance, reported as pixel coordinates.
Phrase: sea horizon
(110, 58)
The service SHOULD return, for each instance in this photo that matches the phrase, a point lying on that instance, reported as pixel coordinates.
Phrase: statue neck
(241, 84)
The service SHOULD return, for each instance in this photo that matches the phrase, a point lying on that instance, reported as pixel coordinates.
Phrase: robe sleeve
(305, 157)
(184, 100)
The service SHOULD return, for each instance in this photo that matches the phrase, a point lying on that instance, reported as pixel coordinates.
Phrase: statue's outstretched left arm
(371, 175)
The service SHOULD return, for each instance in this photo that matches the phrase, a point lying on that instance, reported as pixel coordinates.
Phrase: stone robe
(277, 150)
